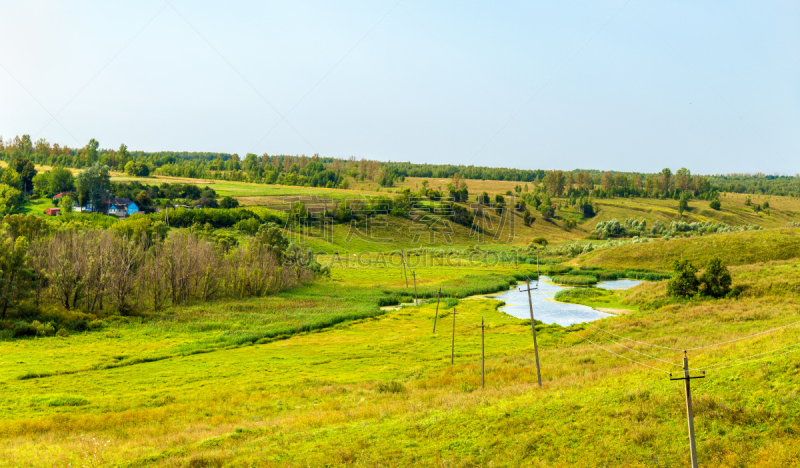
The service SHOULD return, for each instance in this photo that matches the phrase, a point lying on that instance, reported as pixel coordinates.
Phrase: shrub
(391, 387)
(68, 401)
(685, 282)
(527, 219)
(62, 333)
(540, 240)
(610, 275)
(715, 204)
(228, 203)
(555, 270)
(716, 280)
(24, 329)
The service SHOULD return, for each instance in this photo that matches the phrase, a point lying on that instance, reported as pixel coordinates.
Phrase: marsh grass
(574, 280)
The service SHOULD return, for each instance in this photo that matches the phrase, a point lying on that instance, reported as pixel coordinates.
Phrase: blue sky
(712, 86)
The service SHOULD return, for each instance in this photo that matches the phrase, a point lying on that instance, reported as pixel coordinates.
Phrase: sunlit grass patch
(574, 280)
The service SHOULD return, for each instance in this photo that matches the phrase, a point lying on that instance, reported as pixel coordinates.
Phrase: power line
(547, 82)
(719, 366)
(612, 352)
(690, 349)
(744, 337)
(620, 355)
(756, 360)
(713, 366)
(620, 336)
(643, 354)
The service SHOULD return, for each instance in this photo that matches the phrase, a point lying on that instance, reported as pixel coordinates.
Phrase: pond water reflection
(546, 309)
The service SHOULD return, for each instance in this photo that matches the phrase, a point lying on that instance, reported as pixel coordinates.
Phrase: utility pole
(483, 359)
(436, 317)
(533, 329)
(414, 275)
(453, 343)
(403, 257)
(689, 413)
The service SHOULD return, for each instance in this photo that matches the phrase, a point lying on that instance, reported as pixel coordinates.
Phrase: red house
(52, 211)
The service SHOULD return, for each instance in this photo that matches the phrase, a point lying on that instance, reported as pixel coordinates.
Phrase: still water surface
(546, 309)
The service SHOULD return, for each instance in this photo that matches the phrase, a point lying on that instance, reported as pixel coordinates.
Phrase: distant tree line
(316, 171)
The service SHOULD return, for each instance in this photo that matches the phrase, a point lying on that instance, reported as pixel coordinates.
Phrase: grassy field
(381, 390)
(735, 248)
(320, 375)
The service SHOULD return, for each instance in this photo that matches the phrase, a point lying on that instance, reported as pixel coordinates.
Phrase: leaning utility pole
(403, 265)
(533, 329)
(435, 317)
(483, 359)
(453, 342)
(414, 275)
(689, 413)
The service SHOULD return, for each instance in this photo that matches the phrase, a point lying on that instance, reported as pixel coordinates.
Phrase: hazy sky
(713, 86)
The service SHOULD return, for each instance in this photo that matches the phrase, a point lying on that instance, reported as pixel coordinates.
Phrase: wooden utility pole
(436, 317)
(403, 257)
(414, 275)
(453, 343)
(533, 330)
(483, 359)
(689, 413)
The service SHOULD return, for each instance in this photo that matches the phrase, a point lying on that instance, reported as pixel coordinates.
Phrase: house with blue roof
(122, 207)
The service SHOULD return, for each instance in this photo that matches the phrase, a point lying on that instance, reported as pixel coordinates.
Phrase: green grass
(574, 280)
(735, 248)
(319, 376)
(597, 298)
(381, 391)
(37, 206)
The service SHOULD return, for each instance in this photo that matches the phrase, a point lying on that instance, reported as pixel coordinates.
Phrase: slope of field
(735, 248)
(382, 392)
(734, 210)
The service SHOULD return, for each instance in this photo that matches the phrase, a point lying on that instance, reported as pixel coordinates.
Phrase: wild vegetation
(208, 335)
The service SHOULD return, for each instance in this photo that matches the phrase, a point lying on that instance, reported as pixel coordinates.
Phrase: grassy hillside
(382, 392)
(734, 211)
(735, 248)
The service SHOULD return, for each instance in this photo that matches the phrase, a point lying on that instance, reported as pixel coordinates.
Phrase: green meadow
(346, 369)
(320, 375)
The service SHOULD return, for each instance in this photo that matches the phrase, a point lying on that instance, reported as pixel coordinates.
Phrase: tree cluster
(714, 282)
(113, 271)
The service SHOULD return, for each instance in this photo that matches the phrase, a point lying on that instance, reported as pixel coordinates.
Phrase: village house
(119, 207)
(122, 207)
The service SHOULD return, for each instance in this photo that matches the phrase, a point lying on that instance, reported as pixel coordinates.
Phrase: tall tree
(683, 178)
(91, 151)
(665, 179)
(26, 170)
(61, 180)
(555, 181)
(93, 185)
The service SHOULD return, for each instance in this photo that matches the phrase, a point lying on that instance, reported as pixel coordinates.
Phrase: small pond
(546, 309)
